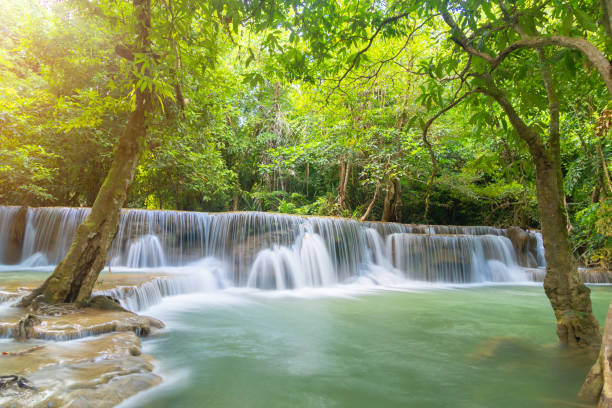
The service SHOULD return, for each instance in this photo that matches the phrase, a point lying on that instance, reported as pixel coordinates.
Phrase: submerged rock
(98, 372)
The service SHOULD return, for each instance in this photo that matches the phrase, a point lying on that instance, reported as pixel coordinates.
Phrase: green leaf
(528, 24)
(567, 22)
(486, 7)
(585, 20)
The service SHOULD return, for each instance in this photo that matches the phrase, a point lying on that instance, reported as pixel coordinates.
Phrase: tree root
(22, 382)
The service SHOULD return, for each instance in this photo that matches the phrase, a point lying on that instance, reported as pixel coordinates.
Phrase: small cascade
(592, 276)
(376, 245)
(279, 251)
(145, 252)
(540, 260)
(205, 276)
(306, 264)
(454, 258)
(35, 260)
(7, 219)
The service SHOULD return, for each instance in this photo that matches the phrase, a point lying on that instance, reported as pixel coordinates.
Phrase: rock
(99, 372)
(78, 323)
(491, 347)
(593, 384)
(25, 327)
(521, 242)
(598, 384)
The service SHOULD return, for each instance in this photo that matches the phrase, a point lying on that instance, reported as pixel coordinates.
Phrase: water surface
(487, 346)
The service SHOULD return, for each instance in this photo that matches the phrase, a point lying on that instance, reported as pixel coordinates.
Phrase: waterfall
(541, 262)
(146, 252)
(306, 264)
(278, 251)
(7, 219)
(458, 258)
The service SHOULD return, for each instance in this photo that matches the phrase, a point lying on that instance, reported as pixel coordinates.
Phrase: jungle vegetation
(446, 112)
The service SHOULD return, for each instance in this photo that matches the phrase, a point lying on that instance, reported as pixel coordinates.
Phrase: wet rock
(97, 372)
(105, 303)
(521, 242)
(78, 323)
(24, 328)
(598, 384)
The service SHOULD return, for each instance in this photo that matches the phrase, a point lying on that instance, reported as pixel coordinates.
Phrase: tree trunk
(391, 203)
(604, 168)
(569, 297)
(74, 278)
(343, 179)
(371, 205)
(341, 171)
(235, 202)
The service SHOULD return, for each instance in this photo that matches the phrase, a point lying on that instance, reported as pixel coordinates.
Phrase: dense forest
(333, 110)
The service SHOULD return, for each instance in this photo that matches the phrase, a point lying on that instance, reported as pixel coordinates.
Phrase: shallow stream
(483, 346)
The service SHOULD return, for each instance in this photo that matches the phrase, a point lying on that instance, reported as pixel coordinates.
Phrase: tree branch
(592, 53)
(388, 20)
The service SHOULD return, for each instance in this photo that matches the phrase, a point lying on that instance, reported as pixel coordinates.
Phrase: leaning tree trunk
(569, 297)
(74, 277)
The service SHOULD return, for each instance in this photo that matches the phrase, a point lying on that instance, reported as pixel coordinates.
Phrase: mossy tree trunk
(74, 277)
(568, 296)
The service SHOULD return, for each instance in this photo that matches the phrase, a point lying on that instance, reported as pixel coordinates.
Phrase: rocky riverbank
(98, 371)
(68, 356)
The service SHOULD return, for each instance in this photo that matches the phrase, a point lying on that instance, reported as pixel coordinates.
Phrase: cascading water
(461, 259)
(306, 264)
(145, 252)
(539, 249)
(7, 219)
(275, 251)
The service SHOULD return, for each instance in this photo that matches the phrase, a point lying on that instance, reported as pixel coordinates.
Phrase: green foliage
(592, 237)
(262, 105)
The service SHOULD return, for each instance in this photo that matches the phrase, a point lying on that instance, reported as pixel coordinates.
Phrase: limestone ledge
(13, 289)
(78, 323)
(94, 372)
